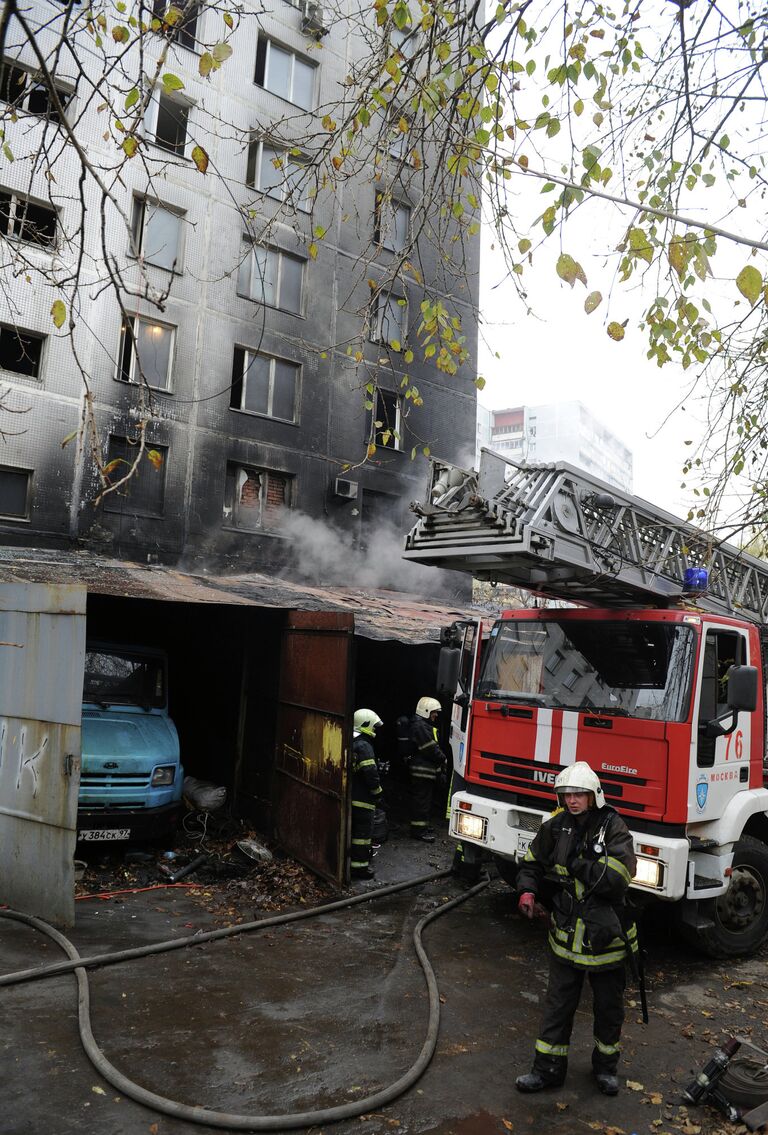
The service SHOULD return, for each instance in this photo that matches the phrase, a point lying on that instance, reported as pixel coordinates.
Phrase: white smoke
(323, 554)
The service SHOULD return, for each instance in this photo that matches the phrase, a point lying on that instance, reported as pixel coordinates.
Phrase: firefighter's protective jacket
(425, 751)
(593, 861)
(366, 786)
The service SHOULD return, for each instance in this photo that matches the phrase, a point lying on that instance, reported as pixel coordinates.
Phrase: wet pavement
(327, 1011)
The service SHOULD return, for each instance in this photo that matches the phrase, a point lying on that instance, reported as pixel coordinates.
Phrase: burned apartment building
(183, 283)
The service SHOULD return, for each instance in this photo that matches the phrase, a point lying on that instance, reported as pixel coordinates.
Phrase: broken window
(22, 89)
(254, 498)
(143, 494)
(157, 234)
(147, 354)
(284, 73)
(278, 174)
(264, 385)
(14, 492)
(386, 424)
(272, 277)
(392, 223)
(27, 220)
(20, 351)
(390, 320)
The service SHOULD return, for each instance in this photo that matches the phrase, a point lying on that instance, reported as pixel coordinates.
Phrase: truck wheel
(740, 916)
(507, 869)
(745, 1081)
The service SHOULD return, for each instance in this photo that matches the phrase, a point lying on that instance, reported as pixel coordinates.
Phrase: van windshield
(630, 669)
(119, 677)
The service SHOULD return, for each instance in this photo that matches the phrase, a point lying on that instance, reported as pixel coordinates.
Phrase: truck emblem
(702, 788)
(110, 764)
(543, 777)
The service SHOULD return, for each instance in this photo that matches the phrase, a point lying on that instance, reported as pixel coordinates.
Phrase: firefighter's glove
(526, 904)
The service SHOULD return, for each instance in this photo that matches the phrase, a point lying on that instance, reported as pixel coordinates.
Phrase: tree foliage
(642, 121)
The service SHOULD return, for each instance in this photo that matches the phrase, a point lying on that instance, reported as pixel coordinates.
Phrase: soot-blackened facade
(258, 407)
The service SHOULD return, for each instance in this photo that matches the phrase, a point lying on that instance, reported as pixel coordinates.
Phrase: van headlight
(163, 775)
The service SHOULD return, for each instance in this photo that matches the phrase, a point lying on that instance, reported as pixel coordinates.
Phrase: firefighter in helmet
(366, 791)
(586, 845)
(427, 760)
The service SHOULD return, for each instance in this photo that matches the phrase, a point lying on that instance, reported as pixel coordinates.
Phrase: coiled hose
(226, 1120)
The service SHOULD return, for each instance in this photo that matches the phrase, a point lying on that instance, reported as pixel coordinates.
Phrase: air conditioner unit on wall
(312, 18)
(345, 489)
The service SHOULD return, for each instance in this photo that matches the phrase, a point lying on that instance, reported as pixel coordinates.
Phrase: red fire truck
(649, 665)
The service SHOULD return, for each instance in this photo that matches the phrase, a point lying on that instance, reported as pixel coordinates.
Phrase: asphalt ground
(326, 1011)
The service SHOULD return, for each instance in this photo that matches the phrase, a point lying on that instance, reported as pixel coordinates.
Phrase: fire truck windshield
(627, 668)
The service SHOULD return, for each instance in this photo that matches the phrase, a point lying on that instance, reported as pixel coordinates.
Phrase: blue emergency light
(695, 580)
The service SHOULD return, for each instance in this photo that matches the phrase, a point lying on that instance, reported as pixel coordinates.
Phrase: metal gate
(42, 654)
(311, 806)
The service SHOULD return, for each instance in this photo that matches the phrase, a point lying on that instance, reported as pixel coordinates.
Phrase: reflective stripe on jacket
(593, 860)
(366, 786)
(426, 755)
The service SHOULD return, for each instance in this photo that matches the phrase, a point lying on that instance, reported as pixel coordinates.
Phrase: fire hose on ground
(202, 1115)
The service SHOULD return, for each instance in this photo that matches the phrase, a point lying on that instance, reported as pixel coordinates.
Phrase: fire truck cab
(660, 687)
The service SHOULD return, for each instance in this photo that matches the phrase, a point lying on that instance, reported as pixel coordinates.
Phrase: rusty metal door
(311, 785)
(42, 654)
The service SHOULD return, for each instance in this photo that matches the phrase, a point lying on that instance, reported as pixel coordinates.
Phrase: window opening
(171, 125)
(254, 498)
(387, 420)
(144, 492)
(157, 234)
(284, 73)
(27, 220)
(20, 351)
(272, 277)
(14, 492)
(154, 345)
(391, 320)
(263, 385)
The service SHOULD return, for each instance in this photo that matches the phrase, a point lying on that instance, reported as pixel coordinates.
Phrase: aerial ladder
(560, 532)
(652, 668)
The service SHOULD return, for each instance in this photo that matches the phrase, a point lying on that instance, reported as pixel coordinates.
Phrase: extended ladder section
(560, 532)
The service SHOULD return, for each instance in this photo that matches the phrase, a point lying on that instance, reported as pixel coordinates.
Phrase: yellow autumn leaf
(634, 1086)
(615, 332)
(200, 158)
(750, 283)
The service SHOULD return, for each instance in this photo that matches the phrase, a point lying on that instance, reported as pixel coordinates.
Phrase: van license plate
(523, 843)
(106, 833)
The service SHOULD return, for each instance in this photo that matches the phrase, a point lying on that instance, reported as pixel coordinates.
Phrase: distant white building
(562, 431)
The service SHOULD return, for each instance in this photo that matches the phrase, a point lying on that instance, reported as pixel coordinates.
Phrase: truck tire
(739, 918)
(745, 1081)
(507, 869)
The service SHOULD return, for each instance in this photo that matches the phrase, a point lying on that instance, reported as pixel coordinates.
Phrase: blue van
(131, 774)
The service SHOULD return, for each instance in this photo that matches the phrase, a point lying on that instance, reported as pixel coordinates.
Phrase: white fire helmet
(366, 721)
(425, 706)
(579, 777)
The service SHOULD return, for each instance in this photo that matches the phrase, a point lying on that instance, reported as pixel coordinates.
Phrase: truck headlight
(163, 774)
(649, 873)
(469, 826)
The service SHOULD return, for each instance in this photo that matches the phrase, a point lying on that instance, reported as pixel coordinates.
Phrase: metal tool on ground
(703, 1088)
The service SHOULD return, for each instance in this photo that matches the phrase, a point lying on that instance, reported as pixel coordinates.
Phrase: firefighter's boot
(536, 1082)
(607, 1083)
